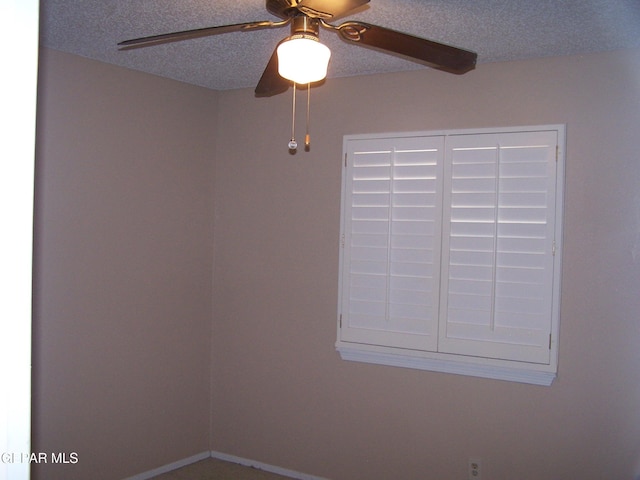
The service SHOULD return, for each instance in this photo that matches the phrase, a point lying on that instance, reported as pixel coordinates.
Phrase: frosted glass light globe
(303, 59)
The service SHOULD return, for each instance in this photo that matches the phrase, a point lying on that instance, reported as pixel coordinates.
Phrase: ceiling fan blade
(433, 54)
(271, 83)
(198, 32)
(328, 9)
(281, 8)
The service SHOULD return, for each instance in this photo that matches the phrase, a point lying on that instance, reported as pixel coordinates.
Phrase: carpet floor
(214, 469)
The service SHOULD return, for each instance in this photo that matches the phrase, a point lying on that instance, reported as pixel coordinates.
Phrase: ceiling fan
(306, 17)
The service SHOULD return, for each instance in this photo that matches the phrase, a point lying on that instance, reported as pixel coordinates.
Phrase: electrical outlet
(475, 469)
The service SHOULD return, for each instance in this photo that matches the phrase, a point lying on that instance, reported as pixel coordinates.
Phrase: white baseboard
(170, 467)
(264, 466)
(227, 458)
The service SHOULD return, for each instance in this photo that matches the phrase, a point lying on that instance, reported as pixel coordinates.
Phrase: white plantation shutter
(391, 241)
(497, 273)
(451, 251)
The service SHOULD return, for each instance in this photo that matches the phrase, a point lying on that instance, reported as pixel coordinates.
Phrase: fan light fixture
(303, 59)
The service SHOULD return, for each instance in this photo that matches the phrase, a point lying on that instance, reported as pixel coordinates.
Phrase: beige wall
(122, 269)
(123, 279)
(281, 393)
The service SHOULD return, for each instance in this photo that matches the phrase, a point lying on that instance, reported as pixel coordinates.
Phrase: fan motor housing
(301, 24)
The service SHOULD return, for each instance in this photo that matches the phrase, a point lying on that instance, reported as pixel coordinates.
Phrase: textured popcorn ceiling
(498, 30)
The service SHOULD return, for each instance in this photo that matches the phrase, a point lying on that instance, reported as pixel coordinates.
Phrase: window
(450, 257)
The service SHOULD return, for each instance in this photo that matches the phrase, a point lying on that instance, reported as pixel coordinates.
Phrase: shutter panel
(497, 266)
(391, 235)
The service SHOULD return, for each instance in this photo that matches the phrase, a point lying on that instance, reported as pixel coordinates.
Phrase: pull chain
(293, 145)
(307, 138)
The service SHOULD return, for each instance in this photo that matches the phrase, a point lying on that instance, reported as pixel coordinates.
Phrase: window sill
(444, 363)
